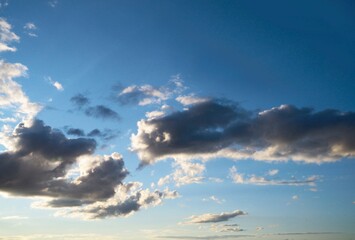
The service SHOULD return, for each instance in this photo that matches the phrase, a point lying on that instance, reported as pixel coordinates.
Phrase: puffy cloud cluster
(213, 218)
(41, 161)
(217, 128)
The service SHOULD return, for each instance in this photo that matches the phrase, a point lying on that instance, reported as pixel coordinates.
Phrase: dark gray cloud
(43, 162)
(75, 132)
(218, 128)
(80, 100)
(41, 155)
(103, 112)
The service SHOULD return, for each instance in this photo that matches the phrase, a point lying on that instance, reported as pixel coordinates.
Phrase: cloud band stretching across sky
(218, 128)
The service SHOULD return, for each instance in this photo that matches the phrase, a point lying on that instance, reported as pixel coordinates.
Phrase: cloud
(273, 172)
(214, 199)
(30, 26)
(53, 3)
(76, 132)
(226, 228)
(185, 172)
(12, 96)
(103, 112)
(15, 217)
(30, 29)
(142, 95)
(213, 218)
(106, 134)
(295, 197)
(7, 36)
(41, 161)
(80, 100)
(190, 100)
(218, 128)
(262, 181)
(55, 84)
(128, 199)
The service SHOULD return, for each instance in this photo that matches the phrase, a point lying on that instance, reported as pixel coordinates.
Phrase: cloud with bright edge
(7, 36)
(219, 128)
(213, 218)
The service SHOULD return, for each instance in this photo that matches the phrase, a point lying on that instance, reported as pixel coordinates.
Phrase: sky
(177, 119)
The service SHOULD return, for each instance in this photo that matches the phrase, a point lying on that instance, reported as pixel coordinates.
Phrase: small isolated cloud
(103, 112)
(55, 84)
(80, 100)
(53, 3)
(4, 3)
(273, 172)
(214, 199)
(262, 181)
(218, 128)
(142, 95)
(213, 218)
(295, 197)
(259, 228)
(30, 28)
(7, 36)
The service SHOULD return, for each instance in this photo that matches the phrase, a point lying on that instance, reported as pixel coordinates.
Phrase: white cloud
(262, 181)
(53, 3)
(185, 172)
(190, 100)
(295, 197)
(30, 26)
(15, 217)
(7, 36)
(214, 199)
(55, 84)
(213, 218)
(273, 172)
(11, 94)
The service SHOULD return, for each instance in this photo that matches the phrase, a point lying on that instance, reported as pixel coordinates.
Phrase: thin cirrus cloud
(39, 164)
(30, 29)
(239, 178)
(214, 218)
(218, 128)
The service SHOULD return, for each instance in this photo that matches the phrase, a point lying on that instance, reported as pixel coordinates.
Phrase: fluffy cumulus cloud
(7, 36)
(41, 161)
(218, 128)
(240, 178)
(213, 218)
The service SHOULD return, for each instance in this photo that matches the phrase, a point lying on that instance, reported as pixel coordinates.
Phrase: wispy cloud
(214, 199)
(256, 180)
(30, 29)
(55, 84)
(7, 36)
(53, 3)
(14, 217)
(213, 218)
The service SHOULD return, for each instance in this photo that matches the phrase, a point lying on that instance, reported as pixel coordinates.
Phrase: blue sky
(177, 119)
